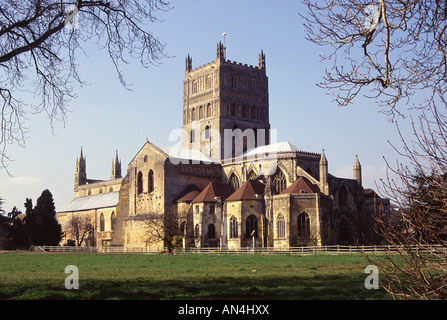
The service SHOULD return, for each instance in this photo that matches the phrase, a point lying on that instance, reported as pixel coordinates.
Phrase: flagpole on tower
(224, 35)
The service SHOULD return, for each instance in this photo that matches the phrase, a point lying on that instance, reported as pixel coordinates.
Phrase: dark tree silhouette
(41, 223)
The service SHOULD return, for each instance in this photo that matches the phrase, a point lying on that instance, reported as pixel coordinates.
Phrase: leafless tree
(79, 227)
(162, 227)
(420, 194)
(392, 48)
(39, 43)
(396, 49)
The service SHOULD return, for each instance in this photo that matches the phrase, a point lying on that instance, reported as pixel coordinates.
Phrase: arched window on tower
(195, 86)
(234, 81)
(207, 132)
(140, 183)
(233, 110)
(150, 181)
(208, 110)
(192, 137)
(279, 182)
(208, 82)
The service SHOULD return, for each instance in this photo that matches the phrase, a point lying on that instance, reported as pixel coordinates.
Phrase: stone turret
(116, 168)
(357, 168)
(81, 170)
(261, 61)
(324, 186)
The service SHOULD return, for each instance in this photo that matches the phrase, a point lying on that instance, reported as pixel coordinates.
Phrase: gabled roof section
(213, 190)
(248, 191)
(302, 185)
(181, 155)
(150, 145)
(189, 193)
(104, 200)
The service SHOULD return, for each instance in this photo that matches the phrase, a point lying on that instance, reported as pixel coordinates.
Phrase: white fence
(328, 250)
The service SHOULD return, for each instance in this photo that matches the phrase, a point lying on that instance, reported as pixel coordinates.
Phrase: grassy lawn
(187, 276)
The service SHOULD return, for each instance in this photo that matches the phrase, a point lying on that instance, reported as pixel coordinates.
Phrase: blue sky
(106, 117)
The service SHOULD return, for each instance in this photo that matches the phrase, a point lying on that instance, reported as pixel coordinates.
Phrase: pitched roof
(189, 193)
(248, 191)
(300, 185)
(182, 155)
(214, 190)
(104, 200)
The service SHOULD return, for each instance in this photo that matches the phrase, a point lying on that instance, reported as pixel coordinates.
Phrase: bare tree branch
(38, 53)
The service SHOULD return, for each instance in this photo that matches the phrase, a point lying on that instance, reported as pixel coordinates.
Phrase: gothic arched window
(112, 221)
(150, 181)
(343, 196)
(208, 110)
(195, 86)
(208, 82)
(279, 182)
(233, 181)
(197, 231)
(140, 182)
(207, 132)
(233, 227)
(303, 225)
(102, 222)
(251, 226)
(281, 226)
(251, 175)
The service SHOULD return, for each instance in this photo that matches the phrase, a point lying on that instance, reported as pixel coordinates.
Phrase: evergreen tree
(41, 224)
(15, 231)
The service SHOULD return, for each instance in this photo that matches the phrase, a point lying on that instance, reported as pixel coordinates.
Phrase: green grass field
(186, 276)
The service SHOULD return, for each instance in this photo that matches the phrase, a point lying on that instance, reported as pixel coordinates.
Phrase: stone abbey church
(227, 183)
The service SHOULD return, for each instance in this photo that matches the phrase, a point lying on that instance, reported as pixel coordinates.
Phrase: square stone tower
(222, 99)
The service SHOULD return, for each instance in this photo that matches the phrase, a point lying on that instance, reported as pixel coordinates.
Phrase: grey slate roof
(105, 200)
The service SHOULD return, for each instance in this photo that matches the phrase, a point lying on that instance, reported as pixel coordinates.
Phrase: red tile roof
(248, 191)
(214, 190)
(302, 184)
